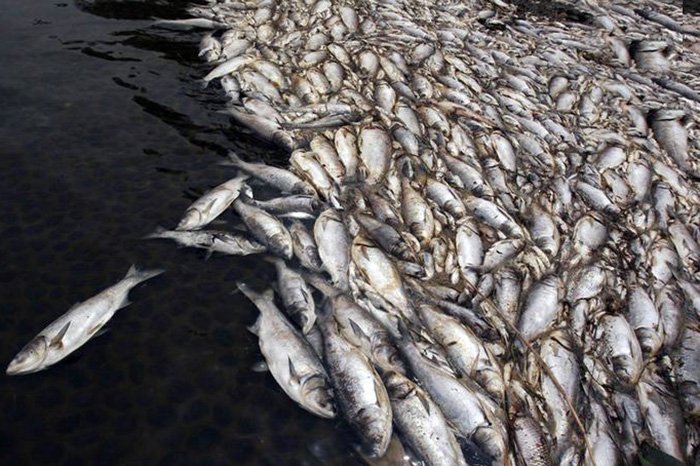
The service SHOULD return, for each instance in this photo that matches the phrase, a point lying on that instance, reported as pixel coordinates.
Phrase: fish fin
(141, 275)
(357, 330)
(234, 159)
(423, 401)
(98, 330)
(101, 331)
(208, 254)
(255, 328)
(260, 366)
(56, 341)
(292, 371)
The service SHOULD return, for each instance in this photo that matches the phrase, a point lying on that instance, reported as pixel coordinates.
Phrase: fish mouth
(30, 358)
(17, 368)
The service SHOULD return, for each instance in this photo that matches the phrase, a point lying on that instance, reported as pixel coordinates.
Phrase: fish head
(316, 392)
(29, 359)
(396, 385)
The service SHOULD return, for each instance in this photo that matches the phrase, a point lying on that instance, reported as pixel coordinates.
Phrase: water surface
(106, 133)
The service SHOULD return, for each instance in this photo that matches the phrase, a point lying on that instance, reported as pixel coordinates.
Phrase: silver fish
(333, 244)
(281, 179)
(359, 391)
(304, 246)
(421, 423)
(265, 228)
(212, 204)
(291, 360)
(74, 328)
(223, 242)
(465, 350)
(296, 295)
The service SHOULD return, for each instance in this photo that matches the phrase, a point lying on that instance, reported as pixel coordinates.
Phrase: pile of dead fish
(487, 240)
(487, 237)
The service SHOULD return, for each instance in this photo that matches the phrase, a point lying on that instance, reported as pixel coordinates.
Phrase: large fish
(291, 359)
(358, 388)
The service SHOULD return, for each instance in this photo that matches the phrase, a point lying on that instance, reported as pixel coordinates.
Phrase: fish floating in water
(74, 328)
(499, 206)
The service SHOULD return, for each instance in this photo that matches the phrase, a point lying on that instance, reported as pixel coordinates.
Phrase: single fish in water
(74, 328)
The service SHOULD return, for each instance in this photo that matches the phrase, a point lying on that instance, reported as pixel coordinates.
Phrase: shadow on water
(107, 133)
(135, 10)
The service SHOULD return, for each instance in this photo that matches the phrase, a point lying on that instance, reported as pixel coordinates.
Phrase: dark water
(106, 134)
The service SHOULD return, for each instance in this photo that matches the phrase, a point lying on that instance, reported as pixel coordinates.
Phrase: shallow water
(106, 134)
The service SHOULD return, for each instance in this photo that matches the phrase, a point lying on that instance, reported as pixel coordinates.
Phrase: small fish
(74, 328)
(282, 179)
(224, 242)
(208, 207)
(421, 423)
(541, 307)
(381, 273)
(265, 228)
(333, 243)
(531, 442)
(294, 205)
(296, 295)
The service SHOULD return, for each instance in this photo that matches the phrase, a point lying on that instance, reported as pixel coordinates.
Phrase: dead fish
(380, 273)
(421, 422)
(291, 360)
(265, 228)
(74, 328)
(359, 391)
(296, 295)
(224, 242)
(333, 244)
(541, 307)
(282, 179)
(212, 204)
(304, 246)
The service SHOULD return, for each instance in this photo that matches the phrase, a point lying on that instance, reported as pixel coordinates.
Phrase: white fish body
(74, 328)
(212, 204)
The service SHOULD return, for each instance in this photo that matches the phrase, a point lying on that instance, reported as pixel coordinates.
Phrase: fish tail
(137, 276)
(249, 293)
(276, 261)
(159, 232)
(235, 159)
(320, 284)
